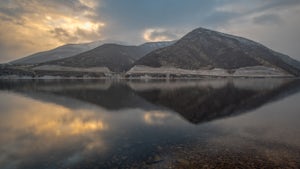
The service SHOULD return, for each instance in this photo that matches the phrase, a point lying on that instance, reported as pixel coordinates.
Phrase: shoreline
(139, 72)
(141, 78)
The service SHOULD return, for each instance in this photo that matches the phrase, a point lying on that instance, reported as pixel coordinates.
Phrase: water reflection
(196, 101)
(105, 124)
(207, 101)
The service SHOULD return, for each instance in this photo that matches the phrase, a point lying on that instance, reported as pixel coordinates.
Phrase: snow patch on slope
(72, 69)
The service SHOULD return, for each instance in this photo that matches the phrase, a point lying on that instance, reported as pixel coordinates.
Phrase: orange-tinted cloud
(32, 25)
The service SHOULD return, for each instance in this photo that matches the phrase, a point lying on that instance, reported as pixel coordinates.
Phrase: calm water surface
(245, 123)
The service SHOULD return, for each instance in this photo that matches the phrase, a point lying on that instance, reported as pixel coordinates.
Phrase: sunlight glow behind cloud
(39, 25)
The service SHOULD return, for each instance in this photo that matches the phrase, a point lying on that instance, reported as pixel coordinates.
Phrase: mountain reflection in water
(105, 124)
(196, 101)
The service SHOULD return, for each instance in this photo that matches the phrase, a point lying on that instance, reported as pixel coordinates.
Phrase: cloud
(63, 35)
(262, 26)
(264, 11)
(154, 35)
(35, 25)
(267, 19)
(277, 4)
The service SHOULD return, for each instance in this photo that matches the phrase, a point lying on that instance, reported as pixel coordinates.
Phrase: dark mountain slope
(117, 58)
(203, 48)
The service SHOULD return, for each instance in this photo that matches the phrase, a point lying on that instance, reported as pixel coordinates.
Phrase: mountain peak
(202, 48)
(200, 30)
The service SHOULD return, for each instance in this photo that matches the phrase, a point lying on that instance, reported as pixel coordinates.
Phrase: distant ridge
(60, 52)
(118, 58)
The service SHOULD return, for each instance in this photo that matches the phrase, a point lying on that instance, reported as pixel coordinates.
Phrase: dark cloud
(12, 12)
(63, 35)
(267, 19)
(156, 34)
(87, 34)
(18, 8)
(276, 4)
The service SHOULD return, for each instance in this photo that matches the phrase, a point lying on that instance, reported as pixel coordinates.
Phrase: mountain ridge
(60, 52)
(118, 58)
(200, 53)
(203, 48)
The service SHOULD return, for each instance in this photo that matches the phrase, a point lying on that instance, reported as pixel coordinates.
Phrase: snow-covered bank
(166, 72)
(72, 69)
(55, 72)
(47, 77)
(137, 72)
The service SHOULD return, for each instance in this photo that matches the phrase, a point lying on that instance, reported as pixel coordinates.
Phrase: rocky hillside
(206, 49)
(118, 58)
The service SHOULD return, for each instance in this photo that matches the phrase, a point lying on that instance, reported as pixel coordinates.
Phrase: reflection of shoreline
(105, 84)
(214, 83)
(204, 104)
(197, 101)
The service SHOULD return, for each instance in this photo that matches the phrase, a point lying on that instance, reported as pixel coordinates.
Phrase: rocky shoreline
(137, 72)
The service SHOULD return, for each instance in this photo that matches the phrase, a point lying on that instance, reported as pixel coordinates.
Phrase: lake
(209, 123)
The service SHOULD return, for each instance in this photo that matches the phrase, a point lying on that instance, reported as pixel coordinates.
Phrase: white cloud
(158, 34)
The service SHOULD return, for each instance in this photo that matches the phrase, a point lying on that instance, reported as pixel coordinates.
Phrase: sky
(29, 26)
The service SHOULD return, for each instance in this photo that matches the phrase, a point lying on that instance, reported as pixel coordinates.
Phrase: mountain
(210, 50)
(200, 53)
(118, 58)
(59, 53)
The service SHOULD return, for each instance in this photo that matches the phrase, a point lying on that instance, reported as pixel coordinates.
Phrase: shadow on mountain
(196, 101)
